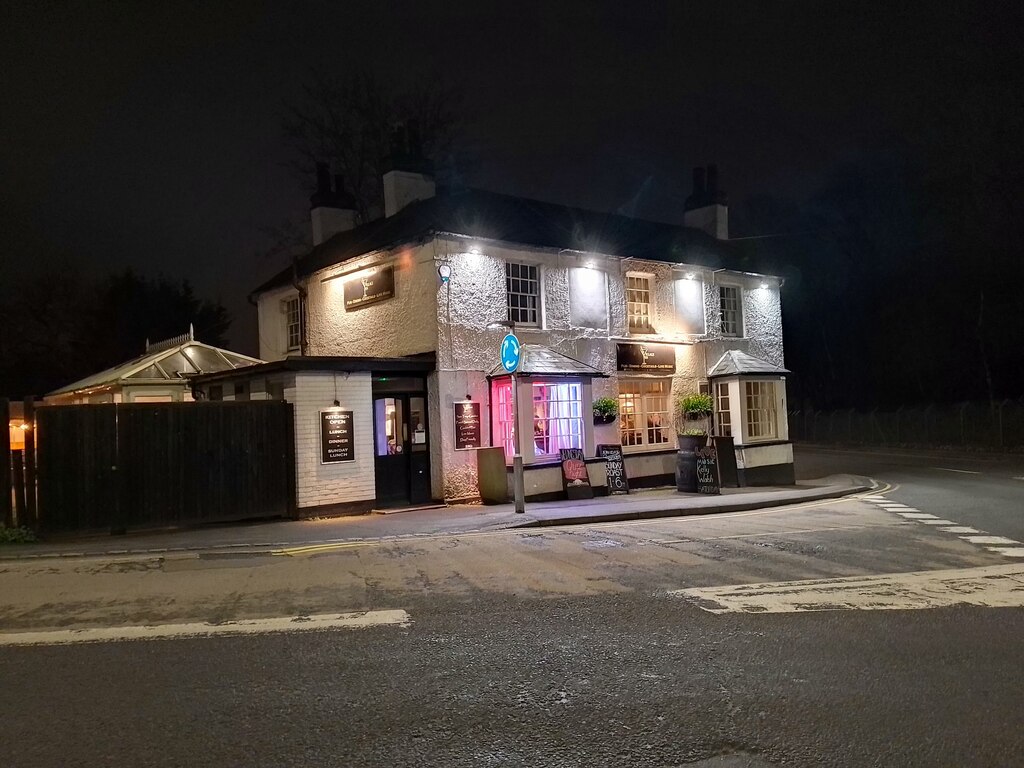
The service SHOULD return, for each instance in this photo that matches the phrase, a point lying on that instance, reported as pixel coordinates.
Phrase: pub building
(397, 323)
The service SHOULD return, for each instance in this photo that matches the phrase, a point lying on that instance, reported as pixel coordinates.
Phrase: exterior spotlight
(474, 249)
(445, 271)
(690, 276)
(764, 285)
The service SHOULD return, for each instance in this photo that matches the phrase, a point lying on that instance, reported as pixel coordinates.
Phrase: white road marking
(1018, 478)
(882, 498)
(357, 620)
(897, 508)
(961, 471)
(917, 515)
(989, 540)
(991, 586)
(960, 529)
(1008, 551)
(937, 521)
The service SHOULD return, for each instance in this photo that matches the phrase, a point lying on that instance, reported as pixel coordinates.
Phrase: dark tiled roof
(491, 216)
(422, 363)
(538, 360)
(736, 363)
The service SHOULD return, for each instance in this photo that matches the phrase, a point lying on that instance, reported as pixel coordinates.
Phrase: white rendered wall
(476, 296)
(403, 325)
(451, 320)
(319, 484)
(273, 324)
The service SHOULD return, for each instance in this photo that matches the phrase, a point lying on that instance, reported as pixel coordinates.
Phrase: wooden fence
(150, 465)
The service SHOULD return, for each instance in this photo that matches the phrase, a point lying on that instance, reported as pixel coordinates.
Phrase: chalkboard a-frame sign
(575, 480)
(707, 470)
(336, 436)
(614, 469)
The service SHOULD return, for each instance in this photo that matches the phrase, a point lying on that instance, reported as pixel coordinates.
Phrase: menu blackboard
(467, 425)
(707, 470)
(614, 468)
(575, 480)
(336, 438)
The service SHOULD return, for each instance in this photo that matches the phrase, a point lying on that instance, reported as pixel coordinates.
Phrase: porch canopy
(736, 363)
(539, 360)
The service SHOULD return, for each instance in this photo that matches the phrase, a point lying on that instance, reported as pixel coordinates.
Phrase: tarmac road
(642, 643)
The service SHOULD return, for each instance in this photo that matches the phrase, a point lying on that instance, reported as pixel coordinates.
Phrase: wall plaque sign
(707, 470)
(336, 437)
(575, 480)
(369, 287)
(467, 425)
(645, 358)
(614, 469)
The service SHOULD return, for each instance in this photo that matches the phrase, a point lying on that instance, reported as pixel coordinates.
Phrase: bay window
(503, 419)
(723, 414)
(557, 416)
(553, 414)
(645, 420)
(760, 413)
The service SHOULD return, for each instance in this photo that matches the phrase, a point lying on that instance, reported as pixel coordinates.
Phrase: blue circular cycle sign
(510, 351)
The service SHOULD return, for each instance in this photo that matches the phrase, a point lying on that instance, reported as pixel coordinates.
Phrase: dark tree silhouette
(347, 120)
(59, 326)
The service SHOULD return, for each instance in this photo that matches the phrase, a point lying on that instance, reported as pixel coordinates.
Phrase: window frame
(293, 321)
(642, 413)
(580, 400)
(538, 309)
(738, 310)
(766, 400)
(630, 302)
(503, 416)
(722, 398)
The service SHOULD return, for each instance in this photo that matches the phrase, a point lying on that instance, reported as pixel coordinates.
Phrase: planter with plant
(694, 411)
(606, 409)
(692, 426)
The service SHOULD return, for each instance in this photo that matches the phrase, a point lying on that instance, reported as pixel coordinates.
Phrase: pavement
(442, 520)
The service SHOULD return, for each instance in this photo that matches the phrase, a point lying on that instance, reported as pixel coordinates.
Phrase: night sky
(148, 135)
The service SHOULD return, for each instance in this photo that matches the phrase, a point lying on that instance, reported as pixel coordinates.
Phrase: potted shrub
(606, 409)
(694, 411)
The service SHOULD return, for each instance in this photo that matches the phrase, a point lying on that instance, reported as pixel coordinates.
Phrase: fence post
(29, 458)
(6, 508)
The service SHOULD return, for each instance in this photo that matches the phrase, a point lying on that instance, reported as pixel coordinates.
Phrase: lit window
(293, 314)
(557, 417)
(638, 303)
(761, 416)
(644, 417)
(723, 417)
(503, 418)
(732, 319)
(522, 286)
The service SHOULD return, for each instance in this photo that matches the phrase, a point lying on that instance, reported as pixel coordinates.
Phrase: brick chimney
(331, 210)
(707, 208)
(408, 175)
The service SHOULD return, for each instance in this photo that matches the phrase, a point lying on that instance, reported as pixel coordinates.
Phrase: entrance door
(402, 449)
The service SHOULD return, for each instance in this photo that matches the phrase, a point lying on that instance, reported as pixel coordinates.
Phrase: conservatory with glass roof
(160, 375)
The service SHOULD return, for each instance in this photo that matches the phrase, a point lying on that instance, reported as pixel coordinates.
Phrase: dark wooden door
(402, 449)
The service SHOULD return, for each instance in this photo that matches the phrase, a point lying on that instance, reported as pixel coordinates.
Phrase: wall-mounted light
(690, 276)
(475, 250)
(445, 273)
(764, 285)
